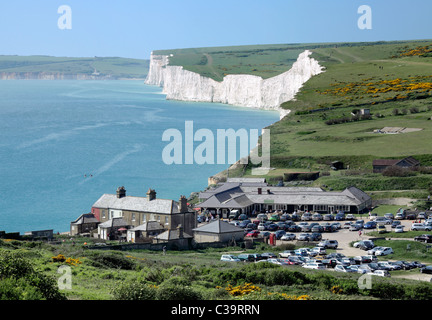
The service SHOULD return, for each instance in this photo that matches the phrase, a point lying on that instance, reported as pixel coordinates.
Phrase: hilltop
(47, 67)
(390, 81)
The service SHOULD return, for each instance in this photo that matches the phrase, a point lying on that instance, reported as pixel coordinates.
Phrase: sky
(134, 28)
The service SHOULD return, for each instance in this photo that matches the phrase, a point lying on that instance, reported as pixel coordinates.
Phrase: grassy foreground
(187, 275)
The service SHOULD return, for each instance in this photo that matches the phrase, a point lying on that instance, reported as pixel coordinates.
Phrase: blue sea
(65, 143)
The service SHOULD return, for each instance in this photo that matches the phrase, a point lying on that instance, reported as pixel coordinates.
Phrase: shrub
(112, 260)
(173, 292)
(395, 171)
(134, 290)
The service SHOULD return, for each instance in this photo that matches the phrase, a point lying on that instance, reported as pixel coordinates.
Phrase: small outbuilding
(218, 231)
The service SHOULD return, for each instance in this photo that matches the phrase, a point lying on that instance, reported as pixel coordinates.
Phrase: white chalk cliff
(239, 90)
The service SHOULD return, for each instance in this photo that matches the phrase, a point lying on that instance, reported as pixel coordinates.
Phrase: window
(144, 218)
(166, 221)
(133, 216)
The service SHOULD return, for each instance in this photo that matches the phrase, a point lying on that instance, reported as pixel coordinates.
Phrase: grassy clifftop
(114, 67)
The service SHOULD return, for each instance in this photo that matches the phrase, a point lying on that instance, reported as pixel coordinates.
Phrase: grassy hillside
(391, 79)
(114, 66)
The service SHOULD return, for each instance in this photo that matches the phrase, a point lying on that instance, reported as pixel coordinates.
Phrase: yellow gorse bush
(70, 261)
(242, 289)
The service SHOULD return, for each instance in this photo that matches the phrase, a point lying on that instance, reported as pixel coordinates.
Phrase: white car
(384, 251)
(399, 229)
(288, 237)
(314, 265)
(381, 273)
(228, 257)
(261, 227)
(374, 250)
(342, 268)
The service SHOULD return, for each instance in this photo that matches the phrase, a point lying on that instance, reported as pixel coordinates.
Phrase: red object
(272, 239)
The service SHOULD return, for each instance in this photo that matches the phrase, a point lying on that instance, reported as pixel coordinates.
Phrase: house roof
(218, 226)
(149, 226)
(139, 204)
(172, 235)
(86, 218)
(393, 162)
(284, 195)
(114, 223)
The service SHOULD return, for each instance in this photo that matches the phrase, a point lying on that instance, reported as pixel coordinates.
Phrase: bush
(134, 290)
(173, 292)
(112, 260)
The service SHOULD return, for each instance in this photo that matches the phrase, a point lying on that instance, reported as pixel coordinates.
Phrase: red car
(253, 234)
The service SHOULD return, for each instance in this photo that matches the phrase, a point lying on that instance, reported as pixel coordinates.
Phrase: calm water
(65, 143)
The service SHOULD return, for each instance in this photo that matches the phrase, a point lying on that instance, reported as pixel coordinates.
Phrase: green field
(115, 67)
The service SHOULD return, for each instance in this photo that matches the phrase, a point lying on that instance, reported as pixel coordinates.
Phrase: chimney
(151, 194)
(180, 231)
(259, 191)
(183, 207)
(121, 192)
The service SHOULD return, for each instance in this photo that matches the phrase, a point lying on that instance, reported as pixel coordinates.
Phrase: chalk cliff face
(240, 90)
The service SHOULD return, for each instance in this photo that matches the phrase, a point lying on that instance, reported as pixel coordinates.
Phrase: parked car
(347, 225)
(342, 268)
(304, 237)
(301, 252)
(329, 244)
(349, 217)
(246, 257)
(420, 227)
(231, 258)
(262, 217)
(268, 255)
(389, 216)
(374, 250)
(272, 227)
(340, 217)
(404, 265)
(381, 228)
(288, 237)
(384, 251)
(317, 217)
(328, 217)
(315, 236)
(307, 216)
(314, 265)
(399, 229)
(364, 244)
(287, 253)
(381, 273)
(427, 269)
(253, 234)
(317, 228)
(400, 216)
(382, 220)
(370, 225)
(354, 227)
(319, 250)
(427, 238)
(294, 228)
(421, 215)
(395, 223)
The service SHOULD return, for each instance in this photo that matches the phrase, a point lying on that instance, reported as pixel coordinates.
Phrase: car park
(230, 258)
